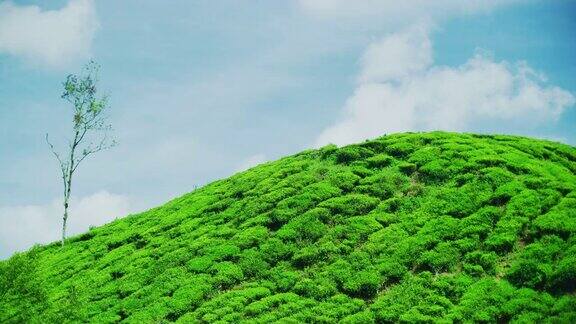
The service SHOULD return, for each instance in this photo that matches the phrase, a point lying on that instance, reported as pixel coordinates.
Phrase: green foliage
(560, 220)
(350, 205)
(529, 273)
(480, 262)
(363, 284)
(306, 227)
(89, 129)
(563, 277)
(226, 274)
(351, 153)
(379, 161)
(432, 227)
(22, 295)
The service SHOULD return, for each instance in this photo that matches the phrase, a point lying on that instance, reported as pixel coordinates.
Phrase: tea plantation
(415, 227)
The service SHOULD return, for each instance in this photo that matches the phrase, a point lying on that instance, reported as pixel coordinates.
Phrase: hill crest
(407, 227)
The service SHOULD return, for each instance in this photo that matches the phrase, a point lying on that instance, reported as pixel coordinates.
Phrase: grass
(425, 227)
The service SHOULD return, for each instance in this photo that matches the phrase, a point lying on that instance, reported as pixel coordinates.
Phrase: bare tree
(90, 128)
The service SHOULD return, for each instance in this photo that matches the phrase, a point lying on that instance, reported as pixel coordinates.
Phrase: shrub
(425, 155)
(309, 255)
(200, 264)
(344, 179)
(391, 270)
(439, 229)
(189, 296)
(292, 207)
(486, 261)
(250, 237)
(407, 168)
(275, 250)
(226, 274)
(525, 204)
(360, 227)
(363, 284)
(505, 234)
(351, 205)
(359, 318)
(442, 258)
(501, 179)
(21, 293)
(379, 161)
(400, 298)
(383, 185)
(223, 252)
(319, 288)
(479, 223)
(400, 149)
(283, 277)
(306, 227)
(435, 171)
(528, 273)
(252, 263)
(501, 242)
(527, 305)
(434, 227)
(321, 191)
(483, 301)
(560, 220)
(564, 276)
(352, 153)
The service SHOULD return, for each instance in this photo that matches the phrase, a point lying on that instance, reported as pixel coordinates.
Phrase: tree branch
(103, 145)
(63, 165)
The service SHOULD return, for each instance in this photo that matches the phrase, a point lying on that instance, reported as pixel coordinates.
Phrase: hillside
(407, 227)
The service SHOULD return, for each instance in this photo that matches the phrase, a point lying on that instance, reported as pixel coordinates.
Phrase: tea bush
(415, 227)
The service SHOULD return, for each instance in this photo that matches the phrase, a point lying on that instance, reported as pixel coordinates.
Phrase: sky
(200, 90)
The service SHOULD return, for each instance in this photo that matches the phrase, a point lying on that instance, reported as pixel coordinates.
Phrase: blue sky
(199, 90)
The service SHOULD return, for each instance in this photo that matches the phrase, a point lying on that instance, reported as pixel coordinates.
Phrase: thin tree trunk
(64, 219)
(66, 204)
(68, 186)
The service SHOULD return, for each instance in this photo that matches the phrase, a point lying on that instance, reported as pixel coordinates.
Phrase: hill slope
(408, 227)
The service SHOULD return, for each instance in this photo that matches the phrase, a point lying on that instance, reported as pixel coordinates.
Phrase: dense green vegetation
(405, 228)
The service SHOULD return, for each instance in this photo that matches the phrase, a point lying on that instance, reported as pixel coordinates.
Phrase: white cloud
(251, 161)
(50, 38)
(399, 91)
(410, 51)
(396, 10)
(23, 226)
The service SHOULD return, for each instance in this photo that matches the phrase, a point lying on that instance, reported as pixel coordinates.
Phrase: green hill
(408, 227)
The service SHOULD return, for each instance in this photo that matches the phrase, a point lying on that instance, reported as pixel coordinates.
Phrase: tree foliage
(89, 127)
